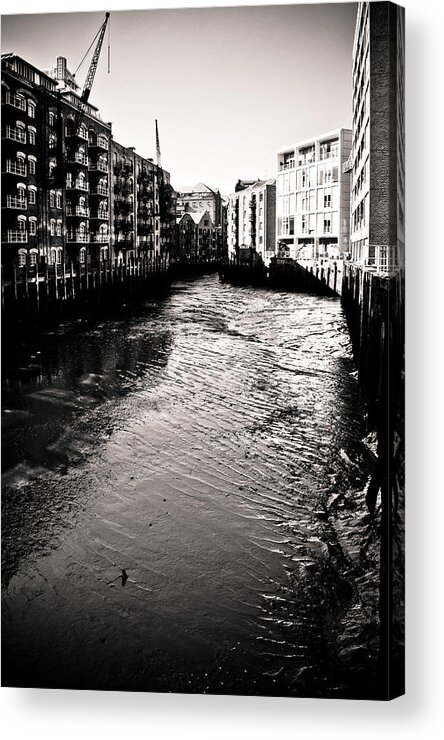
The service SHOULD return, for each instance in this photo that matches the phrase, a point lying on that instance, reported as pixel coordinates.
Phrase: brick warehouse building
(73, 195)
(377, 186)
(252, 219)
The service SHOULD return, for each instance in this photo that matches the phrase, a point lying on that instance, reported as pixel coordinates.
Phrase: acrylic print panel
(203, 322)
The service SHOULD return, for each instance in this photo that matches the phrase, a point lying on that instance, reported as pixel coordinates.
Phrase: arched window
(102, 141)
(22, 255)
(103, 231)
(32, 226)
(82, 256)
(52, 165)
(59, 255)
(52, 118)
(53, 256)
(31, 135)
(83, 132)
(52, 226)
(31, 109)
(32, 193)
(51, 199)
(59, 227)
(31, 165)
(82, 202)
(82, 228)
(52, 141)
(20, 101)
(104, 253)
(21, 223)
(58, 199)
(21, 191)
(33, 257)
(92, 137)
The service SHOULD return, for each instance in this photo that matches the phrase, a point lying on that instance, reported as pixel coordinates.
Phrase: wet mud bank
(184, 501)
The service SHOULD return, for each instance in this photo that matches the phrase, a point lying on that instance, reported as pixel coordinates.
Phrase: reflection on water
(183, 501)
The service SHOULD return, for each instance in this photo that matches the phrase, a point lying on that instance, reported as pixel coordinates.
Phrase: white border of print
(69, 715)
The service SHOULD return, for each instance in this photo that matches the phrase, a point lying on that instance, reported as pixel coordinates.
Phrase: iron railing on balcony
(101, 215)
(100, 238)
(98, 166)
(77, 211)
(80, 133)
(15, 100)
(77, 185)
(15, 201)
(99, 143)
(78, 237)
(287, 165)
(14, 134)
(100, 190)
(76, 158)
(14, 236)
(16, 168)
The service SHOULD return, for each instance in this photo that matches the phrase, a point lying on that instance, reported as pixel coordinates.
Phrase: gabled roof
(199, 188)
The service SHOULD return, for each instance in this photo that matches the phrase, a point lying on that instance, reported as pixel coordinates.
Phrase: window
(51, 199)
(32, 227)
(327, 201)
(31, 196)
(82, 256)
(31, 109)
(33, 257)
(59, 227)
(59, 255)
(327, 226)
(53, 257)
(22, 258)
(52, 225)
(31, 135)
(52, 141)
(52, 119)
(58, 200)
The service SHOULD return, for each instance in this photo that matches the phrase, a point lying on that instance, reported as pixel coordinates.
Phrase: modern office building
(377, 187)
(252, 219)
(313, 196)
(69, 191)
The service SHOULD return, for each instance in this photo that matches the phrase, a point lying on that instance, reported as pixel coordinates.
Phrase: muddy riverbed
(183, 501)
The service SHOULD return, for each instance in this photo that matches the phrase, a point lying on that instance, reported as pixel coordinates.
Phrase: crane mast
(90, 76)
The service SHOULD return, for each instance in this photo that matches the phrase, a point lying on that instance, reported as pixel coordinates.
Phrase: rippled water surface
(183, 501)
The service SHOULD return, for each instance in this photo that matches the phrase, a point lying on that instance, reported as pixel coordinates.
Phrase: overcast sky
(228, 85)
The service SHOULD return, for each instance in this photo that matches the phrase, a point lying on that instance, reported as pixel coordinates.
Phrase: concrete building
(313, 196)
(377, 197)
(67, 194)
(252, 219)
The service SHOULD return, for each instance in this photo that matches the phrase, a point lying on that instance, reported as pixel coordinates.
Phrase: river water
(183, 501)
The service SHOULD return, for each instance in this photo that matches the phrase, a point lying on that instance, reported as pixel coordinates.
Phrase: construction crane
(160, 178)
(158, 157)
(83, 102)
(58, 177)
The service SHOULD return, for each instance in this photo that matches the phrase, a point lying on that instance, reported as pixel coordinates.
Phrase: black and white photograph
(203, 330)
